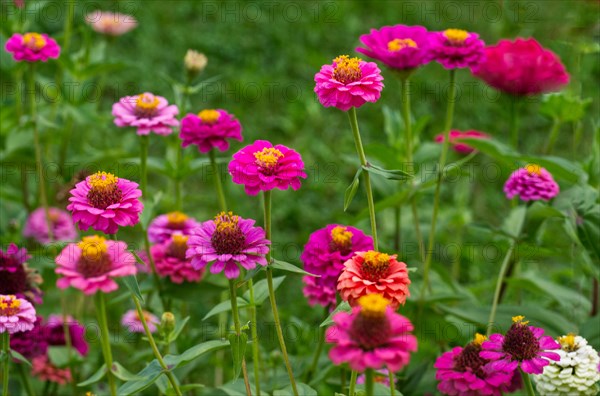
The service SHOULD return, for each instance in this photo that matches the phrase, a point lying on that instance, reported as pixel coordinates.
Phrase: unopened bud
(195, 62)
(167, 322)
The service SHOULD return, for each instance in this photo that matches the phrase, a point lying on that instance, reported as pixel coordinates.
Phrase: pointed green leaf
(238, 351)
(123, 374)
(132, 284)
(303, 390)
(351, 190)
(19, 358)
(391, 174)
(149, 376)
(225, 306)
(261, 289)
(178, 329)
(342, 307)
(285, 266)
(96, 377)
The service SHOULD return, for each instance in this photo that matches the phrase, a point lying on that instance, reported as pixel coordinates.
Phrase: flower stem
(286, 359)
(68, 26)
(392, 382)
(369, 382)
(6, 351)
(155, 276)
(238, 330)
(527, 383)
(499, 283)
(157, 354)
(315, 362)
(218, 183)
(143, 161)
(363, 161)
(25, 380)
(100, 301)
(353, 376)
(514, 121)
(552, 136)
(254, 335)
(68, 342)
(178, 200)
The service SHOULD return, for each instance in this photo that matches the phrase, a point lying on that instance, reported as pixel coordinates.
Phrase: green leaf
(564, 107)
(132, 283)
(261, 290)
(184, 389)
(303, 390)
(19, 358)
(591, 331)
(175, 361)
(252, 273)
(149, 375)
(342, 307)
(393, 174)
(96, 377)
(59, 356)
(285, 266)
(123, 374)
(351, 190)
(180, 324)
(225, 306)
(148, 212)
(238, 351)
(514, 222)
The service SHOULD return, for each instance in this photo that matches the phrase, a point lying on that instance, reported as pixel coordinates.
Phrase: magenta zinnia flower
(324, 254)
(63, 228)
(459, 147)
(522, 67)
(93, 263)
(146, 112)
(210, 129)
(31, 343)
(32, 47)
(371, 336)
(110, 23)
(531, 183)
(131, 321)
(228, 241)
(16, 314)
(523, 347)
(456, 48)
(164, 226)
(16, 277)
(55, 333)
(170, 261)
(348, 82)
(398, 47)
(263, 167)
(105, 203)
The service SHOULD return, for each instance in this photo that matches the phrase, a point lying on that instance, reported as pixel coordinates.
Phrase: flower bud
(167, 322)
(195, 62)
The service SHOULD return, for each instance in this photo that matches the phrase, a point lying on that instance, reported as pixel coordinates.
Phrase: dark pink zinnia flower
(531, 183)
(31, 343)
(522, 67)
(324, 254)
(371, 336)
(348, 82)
(457, 145)
(105, 203)
(54, 331)
(164, 226)
(16, 277)
(63, 228)
(228, 241)
(456, 48)
(146, 112)
(523, 347)
(263, 167)
(398, 47)
(32, 47)
(210, 129)
(170, 261)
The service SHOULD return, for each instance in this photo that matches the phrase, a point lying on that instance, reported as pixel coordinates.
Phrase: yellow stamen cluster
(340, 236)
(267, 157)
(102, 181)
(377, 259)
(34, 41)
(226, 221)
(176, 218)
(347, 69)
(9, 302)
(520, 320)
(479, 339)
(147, 103)
(92, 247)
(399, 44)
(567, 342)
(373, 305)
(180, 240)
(147, 316)
(209, 116)
(456, 36)
(533, 169)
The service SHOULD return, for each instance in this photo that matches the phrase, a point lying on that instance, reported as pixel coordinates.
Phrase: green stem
(254, 334)
(353, 376)
(369, 382)
(218, 183)
(363, 161)
(392, 382)
(6, 351)
(238, 330)
(143, 160)
(499, 282)
(514, 121)
(552, 136)
(105, 341)
(527, 383)
(577, 131)
(178, 181)
(317, 355)
(69, 343)
(155, 276)
(25, 380)
(155, 350)
(68, 26)
(220, 358)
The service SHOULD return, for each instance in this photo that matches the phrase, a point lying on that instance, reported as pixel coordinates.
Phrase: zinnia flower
(324, 254)
(16, 314)
(32, 47)
(16, 277)
(31, 343)
(263, 167)
(523, 346)
(55, 333)
(462, 371)
(228, 241)
(398, 47)
(522, 67)
(146, 112)
(456, 48)
(44, 370)
(131, 321)
(164, 226)
(170, 261)
(374, 272)
(348, 82)
(531, 183)
(576, 373)
(371, 336)
(93, 263)
(195, 62)
(63, 228)
(459, 147)
(210, 129)
(110, 23)
(105, 203)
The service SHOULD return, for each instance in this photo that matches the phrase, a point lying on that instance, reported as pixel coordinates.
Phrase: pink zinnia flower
(55, 333)
(146, 112)
(522, 67)
(463, 372)
(105, 203)
(371, 336)
(131, 321)
(93, 263)
(263, 167)
(44, 370)
(398, 47)
(523, 347)
(32, 47)
(531, 183)
(170, 261)
(110, 23)
(348, 82)
(16, 314)
(210, 129)
(456, 48)
(324, 254)
(228, 241)
(16, 277)
(457, 145)
(374, 272)
(63, 228)
(164, 226)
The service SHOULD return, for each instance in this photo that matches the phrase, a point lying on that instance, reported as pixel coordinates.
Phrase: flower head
(16, 277)
(457, 145)
(93, 263)
(522, 67)
(348, 82)
(374, 272)
(44, 370)
(63, 228)
(54, 333)
(131, 321)
(111, 23)
(169, 258)
(263, 167)
(146, 112)
(16, 314)
(32, 47)
(195, 62)
(105, 203)
(164, 226)
(371, 336)
(456, 48)
(228, 241)
(210, 129)
(531, 183)
(31, 343)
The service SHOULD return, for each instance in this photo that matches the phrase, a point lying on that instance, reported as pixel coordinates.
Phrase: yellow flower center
(226, 221)
(399, 44)
(180, 240)
(533, 169)
(34, 41)
(479, 339)
(456, 36)
(209, 116)
(178, 246)
(176, 218)
(92, 247)
(228, 238)
(373, 305)
(147, 316)
(375, 266)
(103, 190)
(567, 342)
(520, 320)
(146, 105)
(347, 70)
(341, 237)
(9, 305)
(268, 157)
(102, 181)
